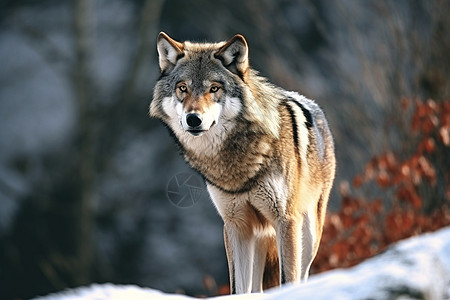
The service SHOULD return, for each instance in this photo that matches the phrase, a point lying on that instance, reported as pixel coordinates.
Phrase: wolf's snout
(193, 120)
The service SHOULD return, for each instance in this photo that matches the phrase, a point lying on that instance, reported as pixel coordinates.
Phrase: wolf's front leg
(259, 261)
(289, 249)
(240, 246)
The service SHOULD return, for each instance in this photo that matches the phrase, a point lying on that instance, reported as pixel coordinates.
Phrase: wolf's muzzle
(194, 121)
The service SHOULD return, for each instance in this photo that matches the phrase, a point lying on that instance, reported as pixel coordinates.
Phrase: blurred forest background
(84, 172)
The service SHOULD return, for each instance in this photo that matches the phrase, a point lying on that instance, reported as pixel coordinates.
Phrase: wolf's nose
(193, 120)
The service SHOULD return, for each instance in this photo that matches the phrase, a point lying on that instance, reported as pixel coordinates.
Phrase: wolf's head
(201, 85)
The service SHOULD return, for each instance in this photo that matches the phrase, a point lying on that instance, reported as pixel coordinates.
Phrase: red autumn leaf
(358, 181)
(362, 251)
(407, 221)
(445, 115)
(427, 169)
(431, 105)
(341, 249)
(347, 221)
(383, 179)
(376, 206)
(363, 219)
(421, 109)
(416, 201)
(429, 123)
(444, 134)
(415, 123)
(430, 145)
(391, 161)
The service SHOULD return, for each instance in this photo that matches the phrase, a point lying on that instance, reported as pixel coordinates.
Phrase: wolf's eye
(182, 88)
(214, 89)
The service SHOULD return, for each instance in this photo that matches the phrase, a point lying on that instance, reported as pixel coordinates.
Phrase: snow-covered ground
(416, 268)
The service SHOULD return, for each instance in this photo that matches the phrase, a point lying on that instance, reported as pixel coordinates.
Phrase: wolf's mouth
(196, 132)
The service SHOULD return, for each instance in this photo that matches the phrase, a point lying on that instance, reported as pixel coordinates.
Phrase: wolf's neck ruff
(233, 168)
(266, 154)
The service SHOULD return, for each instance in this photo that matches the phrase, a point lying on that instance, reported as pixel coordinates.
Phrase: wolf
(266, 154)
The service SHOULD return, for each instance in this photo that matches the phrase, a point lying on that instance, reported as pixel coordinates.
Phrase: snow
(416, 268)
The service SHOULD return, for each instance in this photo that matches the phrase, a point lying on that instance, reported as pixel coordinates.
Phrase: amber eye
(182, 88)
(214, 89)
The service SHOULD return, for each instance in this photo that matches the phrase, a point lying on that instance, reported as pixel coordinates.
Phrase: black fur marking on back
(309, 119)
(294, 125)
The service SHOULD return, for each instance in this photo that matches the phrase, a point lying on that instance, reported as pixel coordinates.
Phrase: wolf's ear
(169, 52)
(234, 56)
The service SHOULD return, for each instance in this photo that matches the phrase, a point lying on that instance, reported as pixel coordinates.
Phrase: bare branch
(83, 90)
(147, 31)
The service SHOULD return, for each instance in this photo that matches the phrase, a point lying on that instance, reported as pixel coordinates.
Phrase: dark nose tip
(193, 120)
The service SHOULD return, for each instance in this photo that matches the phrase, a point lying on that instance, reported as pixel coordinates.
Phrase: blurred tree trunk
(98, 132)
(148, 30)
(83, 215)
